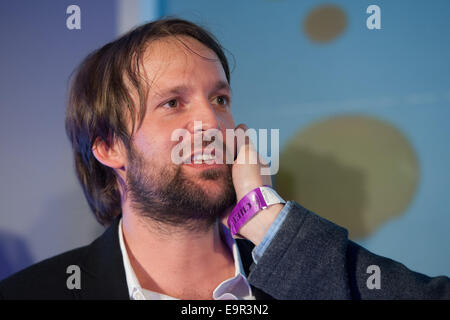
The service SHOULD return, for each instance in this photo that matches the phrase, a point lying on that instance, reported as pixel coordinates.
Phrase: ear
(112, 155)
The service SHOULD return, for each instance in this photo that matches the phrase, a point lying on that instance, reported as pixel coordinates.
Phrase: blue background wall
(280, 80)
(42, 208)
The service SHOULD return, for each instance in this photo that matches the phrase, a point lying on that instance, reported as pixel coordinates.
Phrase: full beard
(169, 198)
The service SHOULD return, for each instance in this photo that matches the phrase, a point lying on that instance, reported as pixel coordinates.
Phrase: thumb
(238, 143)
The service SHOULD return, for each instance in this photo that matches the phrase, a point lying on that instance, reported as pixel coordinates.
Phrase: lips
(205, 157)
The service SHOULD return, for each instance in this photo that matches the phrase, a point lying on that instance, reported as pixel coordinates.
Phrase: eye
(173, 103)
(222, 100)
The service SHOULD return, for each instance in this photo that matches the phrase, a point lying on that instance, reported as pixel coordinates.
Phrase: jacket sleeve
(312, 258)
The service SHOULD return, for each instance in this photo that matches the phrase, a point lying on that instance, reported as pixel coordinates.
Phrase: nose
(203, 111)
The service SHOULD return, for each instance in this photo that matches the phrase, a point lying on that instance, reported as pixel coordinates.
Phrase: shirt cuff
(259, 250)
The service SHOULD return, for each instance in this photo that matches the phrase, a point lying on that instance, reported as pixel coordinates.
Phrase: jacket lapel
(102, 270)
(245, 251)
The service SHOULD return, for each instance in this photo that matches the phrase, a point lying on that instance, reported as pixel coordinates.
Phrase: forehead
(173, 60)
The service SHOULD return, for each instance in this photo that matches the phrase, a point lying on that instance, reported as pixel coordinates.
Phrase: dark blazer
(309, 258)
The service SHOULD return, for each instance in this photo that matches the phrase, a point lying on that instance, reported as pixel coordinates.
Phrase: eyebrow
(219, 85)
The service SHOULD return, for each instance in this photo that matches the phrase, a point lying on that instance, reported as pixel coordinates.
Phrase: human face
(186, 85)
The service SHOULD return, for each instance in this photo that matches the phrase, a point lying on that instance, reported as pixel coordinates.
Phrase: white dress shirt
(235, 288)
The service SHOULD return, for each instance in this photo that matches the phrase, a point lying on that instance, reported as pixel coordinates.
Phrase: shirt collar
(232, 288)
(132, 280)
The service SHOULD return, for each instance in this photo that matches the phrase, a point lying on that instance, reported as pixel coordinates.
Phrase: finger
(243, 127)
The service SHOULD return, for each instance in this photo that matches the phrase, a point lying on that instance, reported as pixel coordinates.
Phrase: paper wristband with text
(256, 200)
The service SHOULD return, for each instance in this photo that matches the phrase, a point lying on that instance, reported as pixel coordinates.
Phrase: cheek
(228, 121)
(159, 151)
(153, 145)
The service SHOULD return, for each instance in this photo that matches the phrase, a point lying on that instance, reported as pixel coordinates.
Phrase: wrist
(245, 189)
(256, 228)
(254, 213)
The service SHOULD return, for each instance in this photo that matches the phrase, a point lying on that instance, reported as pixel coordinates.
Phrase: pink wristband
(251, 204)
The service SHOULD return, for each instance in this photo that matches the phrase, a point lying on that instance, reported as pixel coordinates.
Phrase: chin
(213, 181)
(213, 187)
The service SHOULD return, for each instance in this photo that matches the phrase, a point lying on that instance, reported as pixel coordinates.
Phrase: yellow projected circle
(356, 171)
(325, 23)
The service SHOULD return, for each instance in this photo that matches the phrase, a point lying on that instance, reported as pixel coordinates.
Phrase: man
(167, 237)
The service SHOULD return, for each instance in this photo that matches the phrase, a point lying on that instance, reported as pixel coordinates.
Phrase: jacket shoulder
(43, 280)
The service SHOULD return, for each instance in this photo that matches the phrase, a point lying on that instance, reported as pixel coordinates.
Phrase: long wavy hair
(99, 104)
